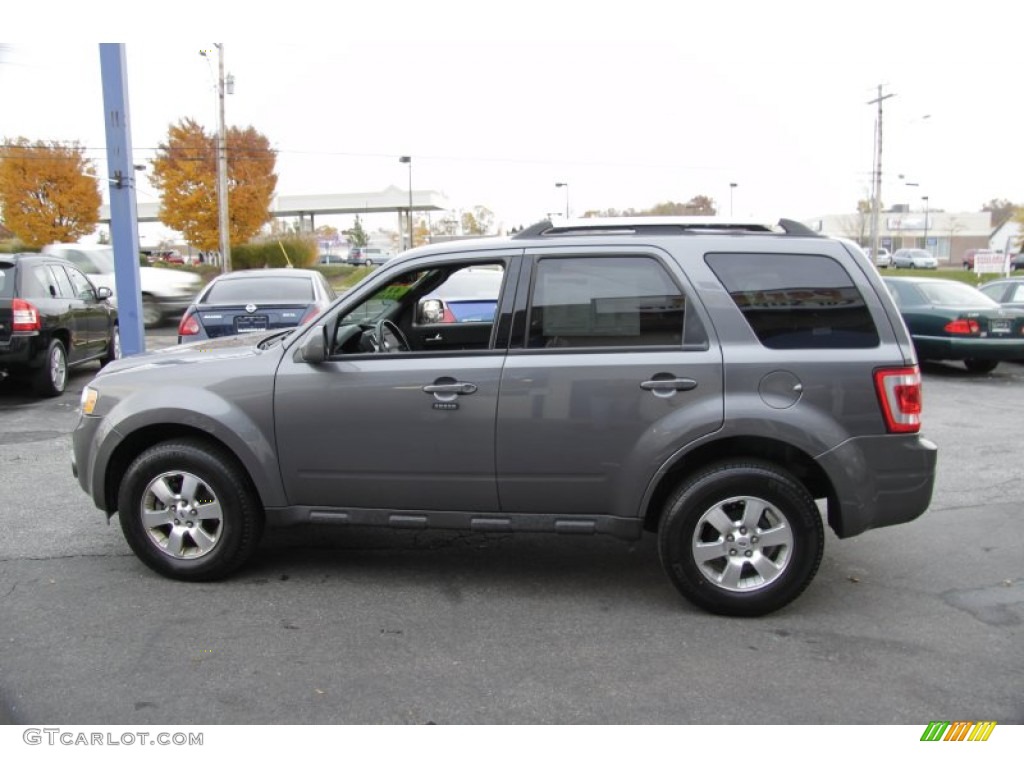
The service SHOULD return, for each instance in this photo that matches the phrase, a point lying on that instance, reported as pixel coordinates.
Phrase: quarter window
(793, 301)
(605, 302)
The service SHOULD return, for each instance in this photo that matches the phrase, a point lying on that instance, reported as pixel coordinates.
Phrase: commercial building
(946, 235)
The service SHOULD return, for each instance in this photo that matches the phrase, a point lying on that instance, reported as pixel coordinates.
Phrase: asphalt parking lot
(908, 624)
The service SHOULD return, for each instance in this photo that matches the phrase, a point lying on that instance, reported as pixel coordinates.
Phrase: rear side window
(605, 302)
(43, 283)
(794, 301)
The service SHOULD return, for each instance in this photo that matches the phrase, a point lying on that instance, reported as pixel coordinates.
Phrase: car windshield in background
(951, 294)
(257, 289)
(101, 259)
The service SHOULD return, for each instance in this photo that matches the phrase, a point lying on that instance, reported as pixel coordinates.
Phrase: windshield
(93, 262)
(377, 306)
(951, 294)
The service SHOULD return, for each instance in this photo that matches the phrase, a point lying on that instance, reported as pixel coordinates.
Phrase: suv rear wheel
(189, 511)
(741, 538)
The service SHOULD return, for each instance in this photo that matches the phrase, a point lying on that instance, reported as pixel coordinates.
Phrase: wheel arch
(788, 457)
(133, 444)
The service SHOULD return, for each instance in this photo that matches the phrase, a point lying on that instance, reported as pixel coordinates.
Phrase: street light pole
(222, 168)
(732, 186)
(566, 185)
(877, 170)
(925, 245)
(407, 159)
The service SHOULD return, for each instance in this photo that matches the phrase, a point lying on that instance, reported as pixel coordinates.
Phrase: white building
(1008, 238)
(947, 235)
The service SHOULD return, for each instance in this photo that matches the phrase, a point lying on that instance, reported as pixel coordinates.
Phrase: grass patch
(947, 273)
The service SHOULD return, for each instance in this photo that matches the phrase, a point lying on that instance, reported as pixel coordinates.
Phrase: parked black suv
(52, 318)
(720, 385)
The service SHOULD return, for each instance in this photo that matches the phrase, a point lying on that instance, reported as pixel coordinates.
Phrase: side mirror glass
(431, 311)
(103, 293)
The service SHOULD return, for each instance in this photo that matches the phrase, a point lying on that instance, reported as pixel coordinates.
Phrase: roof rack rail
(661, 225)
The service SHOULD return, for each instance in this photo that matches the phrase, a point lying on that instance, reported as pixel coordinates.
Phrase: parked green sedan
(950, 320)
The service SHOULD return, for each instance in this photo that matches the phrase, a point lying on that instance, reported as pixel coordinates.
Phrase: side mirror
(430, 311)
(314, 348)
(103, 293)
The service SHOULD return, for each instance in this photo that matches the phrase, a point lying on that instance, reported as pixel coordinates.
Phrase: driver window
(447, 308)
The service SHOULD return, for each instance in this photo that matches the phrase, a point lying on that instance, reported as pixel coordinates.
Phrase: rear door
(611, 371)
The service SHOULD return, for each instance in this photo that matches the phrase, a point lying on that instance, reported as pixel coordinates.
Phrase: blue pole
(124, 229)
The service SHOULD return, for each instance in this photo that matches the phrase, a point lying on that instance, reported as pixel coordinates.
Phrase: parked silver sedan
(914, 258)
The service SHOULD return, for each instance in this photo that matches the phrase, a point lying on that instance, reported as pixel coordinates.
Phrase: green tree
(356, 234)
(48, 191)
(185, 171)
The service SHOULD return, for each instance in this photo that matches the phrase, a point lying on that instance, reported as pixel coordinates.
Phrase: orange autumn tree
(185, 172)
(45, 194)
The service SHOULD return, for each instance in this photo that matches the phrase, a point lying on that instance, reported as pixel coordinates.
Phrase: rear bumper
(937, 348)
(879, 480)
(21, 352)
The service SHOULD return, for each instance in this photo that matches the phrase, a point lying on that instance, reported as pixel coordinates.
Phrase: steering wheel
(386, 329)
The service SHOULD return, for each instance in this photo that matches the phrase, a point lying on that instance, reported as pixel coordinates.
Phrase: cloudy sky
(630, 103)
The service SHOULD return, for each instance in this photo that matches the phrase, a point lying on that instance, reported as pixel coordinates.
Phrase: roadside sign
(991, 262)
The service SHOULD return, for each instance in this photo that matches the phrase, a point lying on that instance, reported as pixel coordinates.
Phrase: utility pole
(222, 168)
(876, 193)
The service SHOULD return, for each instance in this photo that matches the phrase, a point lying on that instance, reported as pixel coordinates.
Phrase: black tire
(771, 505)
(981, 366)
(113, 346)
(215, 522)
(52, 379)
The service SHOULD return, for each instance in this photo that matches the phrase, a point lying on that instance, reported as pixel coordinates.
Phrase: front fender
(243, 425)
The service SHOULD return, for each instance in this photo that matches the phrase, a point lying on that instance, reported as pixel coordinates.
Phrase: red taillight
(25, 316)
(310, 314)
(899, 394)
(963, 327)
(189, 325)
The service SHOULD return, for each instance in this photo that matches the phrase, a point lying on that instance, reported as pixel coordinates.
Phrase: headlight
(90, 397)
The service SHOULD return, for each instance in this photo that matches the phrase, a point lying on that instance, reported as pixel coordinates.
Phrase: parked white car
(914, 258)
(165, 292)
(882, 259)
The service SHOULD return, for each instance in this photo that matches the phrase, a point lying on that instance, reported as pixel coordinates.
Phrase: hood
(198, 352)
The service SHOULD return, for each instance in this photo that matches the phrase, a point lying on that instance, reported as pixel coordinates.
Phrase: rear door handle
(680, 385)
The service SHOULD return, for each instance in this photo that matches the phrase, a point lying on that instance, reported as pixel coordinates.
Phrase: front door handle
(679, 385)
(453, 388)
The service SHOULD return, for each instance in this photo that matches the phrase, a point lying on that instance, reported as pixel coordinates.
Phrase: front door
(397, 418)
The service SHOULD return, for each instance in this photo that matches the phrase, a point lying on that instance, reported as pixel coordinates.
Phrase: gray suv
(723, 386)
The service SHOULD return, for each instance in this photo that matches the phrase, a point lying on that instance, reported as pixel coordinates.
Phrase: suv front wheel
(741, 538)
(189, 511)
